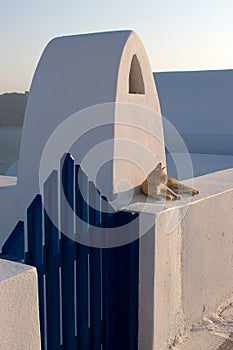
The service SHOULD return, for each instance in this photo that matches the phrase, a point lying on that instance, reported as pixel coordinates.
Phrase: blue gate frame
(88, 297)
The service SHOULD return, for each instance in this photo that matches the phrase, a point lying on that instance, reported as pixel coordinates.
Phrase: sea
(10, 137)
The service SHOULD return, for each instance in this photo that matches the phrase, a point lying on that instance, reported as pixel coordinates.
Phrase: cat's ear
(158, 166)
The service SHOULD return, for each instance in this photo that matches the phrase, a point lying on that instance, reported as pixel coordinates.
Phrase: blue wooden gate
(88, 297)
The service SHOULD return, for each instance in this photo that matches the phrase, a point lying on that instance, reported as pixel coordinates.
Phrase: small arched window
(136, 83)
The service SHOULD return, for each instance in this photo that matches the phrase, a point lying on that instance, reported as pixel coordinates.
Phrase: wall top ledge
(210, 185)
(9, 269)
(8, 180)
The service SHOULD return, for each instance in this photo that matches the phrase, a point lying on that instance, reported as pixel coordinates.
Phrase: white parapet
(19, 314)
(186, 261)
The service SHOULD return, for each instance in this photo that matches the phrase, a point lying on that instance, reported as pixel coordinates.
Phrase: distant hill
(12, 108)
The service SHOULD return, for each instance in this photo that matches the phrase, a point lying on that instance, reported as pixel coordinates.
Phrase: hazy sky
(177, 34)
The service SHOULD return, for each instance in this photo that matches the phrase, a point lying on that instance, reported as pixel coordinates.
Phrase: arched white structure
(77, 72)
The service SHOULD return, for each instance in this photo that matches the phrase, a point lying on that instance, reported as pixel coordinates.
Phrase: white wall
(200, 106)
(19, 314)
(186, 261)
(199, 103)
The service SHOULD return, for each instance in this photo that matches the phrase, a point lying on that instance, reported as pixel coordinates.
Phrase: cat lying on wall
(159, 186)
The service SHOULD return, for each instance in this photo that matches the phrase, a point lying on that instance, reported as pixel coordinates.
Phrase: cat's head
(158, 175)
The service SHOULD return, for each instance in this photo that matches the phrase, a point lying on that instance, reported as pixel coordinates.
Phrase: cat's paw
(178, 197)
(195, 192)
(169, 197)
(173, 197)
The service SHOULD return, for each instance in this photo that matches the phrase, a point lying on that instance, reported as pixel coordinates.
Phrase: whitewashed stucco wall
(19, 313)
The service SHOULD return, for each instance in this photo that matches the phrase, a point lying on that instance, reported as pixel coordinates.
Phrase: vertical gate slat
(81, 209)
(134, 282)
(35, 254)
(53, 261)
(127, 273)
(108, 290)
(119, 281)
(95, 268)
(68, 253)
(108, 280)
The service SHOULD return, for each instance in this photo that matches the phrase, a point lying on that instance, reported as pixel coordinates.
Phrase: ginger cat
(159, 186)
